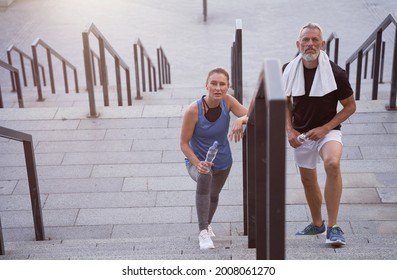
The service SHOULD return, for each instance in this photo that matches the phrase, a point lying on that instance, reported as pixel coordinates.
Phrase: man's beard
(310, 56)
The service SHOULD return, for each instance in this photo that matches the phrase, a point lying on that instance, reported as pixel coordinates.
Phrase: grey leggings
(207, 192)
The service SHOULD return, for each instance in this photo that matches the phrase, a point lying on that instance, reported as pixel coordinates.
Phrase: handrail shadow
(27, 141)
(237, 62)
(65, 63)
(140, 54)
(15, 73)
(264, 166)
(374, 41)
(22, 57)
(104, 45)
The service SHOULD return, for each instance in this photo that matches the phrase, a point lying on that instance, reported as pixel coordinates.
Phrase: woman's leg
(218, 181)
(203, 190)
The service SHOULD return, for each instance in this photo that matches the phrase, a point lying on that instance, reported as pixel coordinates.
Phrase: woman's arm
(240, 111)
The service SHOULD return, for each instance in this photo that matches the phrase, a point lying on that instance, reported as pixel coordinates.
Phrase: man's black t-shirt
(311, 112)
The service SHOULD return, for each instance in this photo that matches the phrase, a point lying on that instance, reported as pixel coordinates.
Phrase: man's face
(310, 43)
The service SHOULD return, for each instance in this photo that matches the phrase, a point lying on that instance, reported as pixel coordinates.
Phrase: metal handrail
(65, 63)
(164, 68)
(34, 191)
(382, 62)
(332, 38)
(22, 56)
(205, 10)
(2, 250)
(14, 71)
(151, 69)
(104, 45)
(376, 37)
(237, 62)
(264, 166)
(94, 57)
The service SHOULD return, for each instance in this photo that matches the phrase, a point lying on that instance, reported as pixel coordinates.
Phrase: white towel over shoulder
(294, 81)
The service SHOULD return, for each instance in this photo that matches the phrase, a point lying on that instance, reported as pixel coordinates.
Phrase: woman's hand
(237, 131)
(203, 167)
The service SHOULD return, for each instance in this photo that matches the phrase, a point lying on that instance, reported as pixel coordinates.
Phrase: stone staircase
(185, 248)
(115, 187)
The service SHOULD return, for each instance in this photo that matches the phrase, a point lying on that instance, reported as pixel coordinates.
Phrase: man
(314, 85)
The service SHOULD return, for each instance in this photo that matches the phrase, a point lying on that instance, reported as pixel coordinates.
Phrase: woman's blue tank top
(206, 132)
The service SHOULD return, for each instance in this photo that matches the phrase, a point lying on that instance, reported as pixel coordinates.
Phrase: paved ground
(122, 175)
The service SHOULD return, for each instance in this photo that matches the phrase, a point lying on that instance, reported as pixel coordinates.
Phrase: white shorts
(307, 155)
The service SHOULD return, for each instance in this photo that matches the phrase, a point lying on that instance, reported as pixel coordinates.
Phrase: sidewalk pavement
(122, 174)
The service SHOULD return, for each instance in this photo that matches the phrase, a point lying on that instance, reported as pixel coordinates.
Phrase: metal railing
(22, 57)
(140, 56)
(375, 41)
(65, 63)
(15, 73)
(2, 250)
(237, 62)
(164, 68)
(205, 10)
(27, 141)
(95, 57)
(332, 38)
(104, 46)
(382, 61)
(264, 166)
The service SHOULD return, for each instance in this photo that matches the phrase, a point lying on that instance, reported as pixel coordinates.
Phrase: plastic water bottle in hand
(212, 151)
(302, 137)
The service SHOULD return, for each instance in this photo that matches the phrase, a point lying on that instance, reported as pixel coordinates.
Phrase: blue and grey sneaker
(335, 236)
(312, 230)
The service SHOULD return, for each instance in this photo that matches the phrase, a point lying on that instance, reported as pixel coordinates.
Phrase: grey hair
(311, 25)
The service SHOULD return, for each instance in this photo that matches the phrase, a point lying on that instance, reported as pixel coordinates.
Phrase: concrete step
(134, 248)
(227, 248)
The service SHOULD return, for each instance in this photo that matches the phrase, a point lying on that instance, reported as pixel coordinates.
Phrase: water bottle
(302, 137)
(212, 151)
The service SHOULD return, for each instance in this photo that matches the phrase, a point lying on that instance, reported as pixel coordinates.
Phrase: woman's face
(217, 85)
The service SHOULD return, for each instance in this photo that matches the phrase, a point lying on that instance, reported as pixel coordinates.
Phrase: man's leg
(313, 194)
(331, 153)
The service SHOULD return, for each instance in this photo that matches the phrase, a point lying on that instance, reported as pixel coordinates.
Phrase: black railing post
(1, 99)
(393, 88)
(237, 62)
(27, 141)
(2, 250)
(118, 81)
(245, 187)
(358, 77)
(88, 66)
(205, 10)
(265, 166)
(104, 76)
(50, 70)
(275, 162)
(261, 176)
(36, 74)
(136, 64)
(34, 189)
(128, 79)
(336, 51)
(250, 181)
(375, 81)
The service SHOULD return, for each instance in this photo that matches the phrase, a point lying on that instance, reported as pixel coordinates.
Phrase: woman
(207, 120)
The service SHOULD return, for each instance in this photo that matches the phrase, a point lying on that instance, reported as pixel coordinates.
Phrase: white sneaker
(210, 231)
(205, 240)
